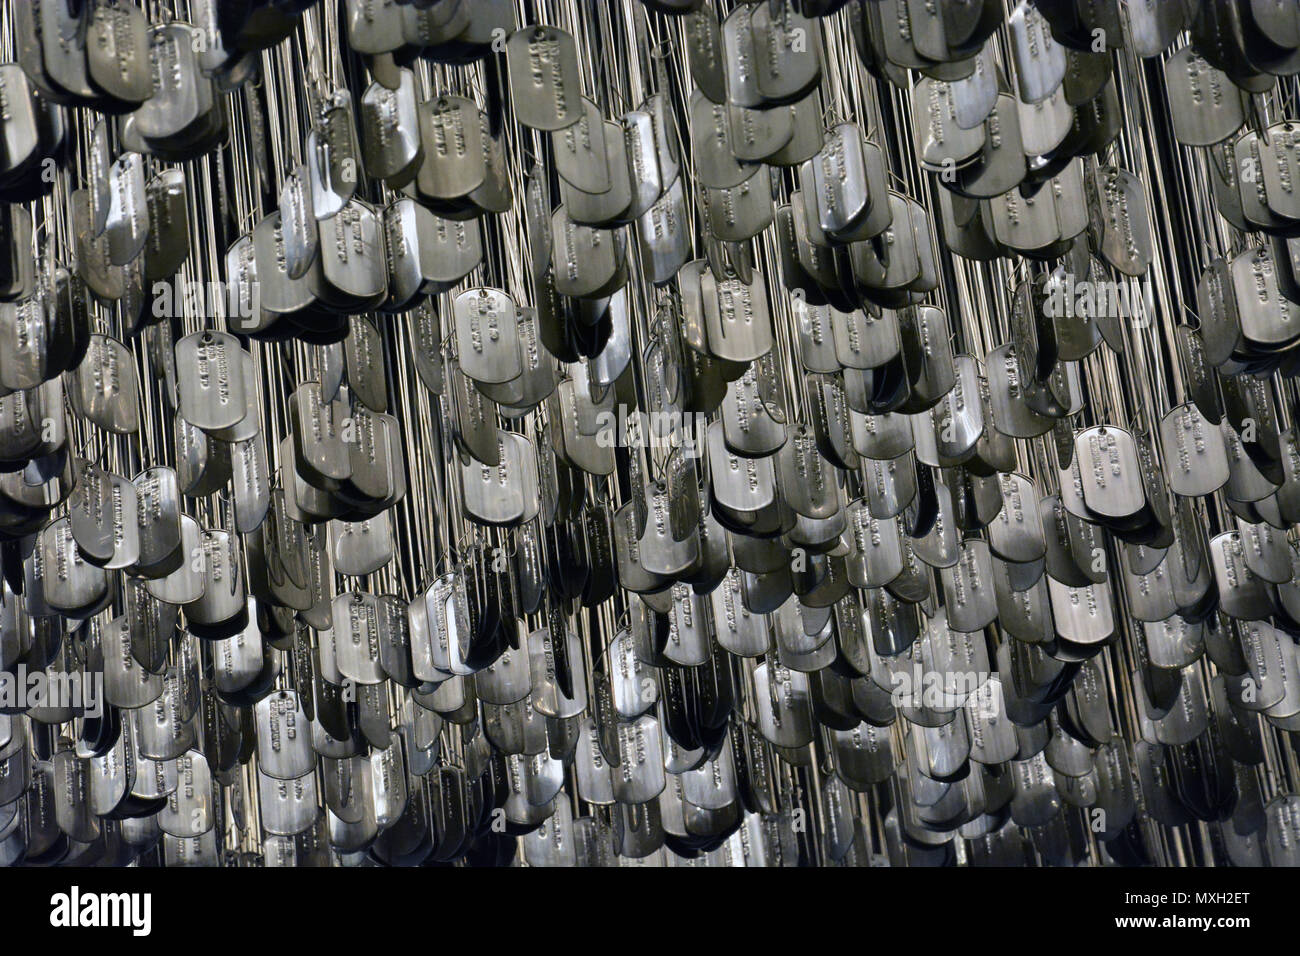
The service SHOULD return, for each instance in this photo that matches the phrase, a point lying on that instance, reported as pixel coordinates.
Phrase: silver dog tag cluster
(465, 433)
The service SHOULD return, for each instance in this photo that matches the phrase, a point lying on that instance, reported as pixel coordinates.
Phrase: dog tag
(185, 583)
(181, 95)
(487, 336)
(332, 154)
(117, 51)
(168, 244)
(391, 145)
(787, 61)
(736, 318)
(587, 262)
(1039, 60)
(1125, 226)
(284, 750)
(127, 225)
(90, 514)
(559, 689)
(104, 388)
(1082, 614)
(665, 245)
(213, 396)
(1109, 471)
(1205, 106)
(705, 54)
(581, 157)
(968, 588)
(1196, 458)
(298, 223)
(716, 165)
(495, 494)
(544, 77)
(454, 152)
(783, 703)
(943, 140)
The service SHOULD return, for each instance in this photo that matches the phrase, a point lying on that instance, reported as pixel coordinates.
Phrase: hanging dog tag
(284, 750)
(353, 274)
(559, 688)
(185, 584)
(705, 54)
(1125, 233)
(1039, 59)
(117, 51)
(168, 245)
(1110, 471)
(1205, 106)
(213, 396)
(453, 165)
(716, 165)
(665, 244)
(1195, 456)
(487, 336)
(181, 95)
(363, 352)
(840, 185)
(581, 157)
(737, 319)
(495, 494)
(90, 514)
(298, 222)
(544, 77)
(392, 149)
(587, 262)
(332, 155)
(73, 586)
(127, 225)
(783, 703)
(104, 387)
(320, 453)
(787, 48)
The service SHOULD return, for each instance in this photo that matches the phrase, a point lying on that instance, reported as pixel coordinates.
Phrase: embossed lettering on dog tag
(104, 387)
(390, 132)
(716, 165)
(737, 319)
(545, 81)
(127, 226)
(298, 222)
(782, 701)
(453, 165)
(284, 749)
(212, 395)
(1109, 471)
(487, 336)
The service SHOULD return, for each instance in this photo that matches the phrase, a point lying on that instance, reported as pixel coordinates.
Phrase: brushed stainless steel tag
(298, 222)
(487, 336)
(391, 146)
(1039, 59)
(213, 396)
(545, 82)
(104, 387)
